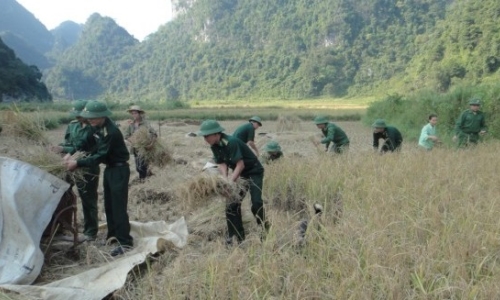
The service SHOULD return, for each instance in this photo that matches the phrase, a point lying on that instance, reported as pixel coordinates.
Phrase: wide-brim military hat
(320, 120)
(209, 127)
(77, 108)
(475, 101)
(256, 120)
(272, 146)
(379, 123)
(136, 108)
(95, 109)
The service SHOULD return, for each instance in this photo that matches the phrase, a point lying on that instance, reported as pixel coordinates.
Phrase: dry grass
(415, 225)
(154, 153)
(198, 190)
(29, 126)
(288, 123)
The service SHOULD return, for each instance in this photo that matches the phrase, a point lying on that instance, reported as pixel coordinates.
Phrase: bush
(409, 113)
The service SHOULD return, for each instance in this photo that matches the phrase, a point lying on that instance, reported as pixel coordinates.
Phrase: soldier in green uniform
(391, 136)
(79, 137)
(272, 152)
(112, 151)
(232, 153)
(139, 121)
(246, 133)
(332, 134)
(470, 125)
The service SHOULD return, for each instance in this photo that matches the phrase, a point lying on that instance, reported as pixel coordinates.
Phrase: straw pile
(199, 189)
(288, 123)
(51, 162)
(156, 154)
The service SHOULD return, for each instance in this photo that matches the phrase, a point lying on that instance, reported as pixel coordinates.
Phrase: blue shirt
(424, 139)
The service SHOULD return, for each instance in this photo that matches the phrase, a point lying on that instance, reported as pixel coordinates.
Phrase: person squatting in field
(232, 153)
(272, 152)
(333, 134)
(139, 121)
(79, 137)
(391, 136)
(428, 135)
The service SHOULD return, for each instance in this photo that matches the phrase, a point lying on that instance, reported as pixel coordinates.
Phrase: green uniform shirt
(78, 138)
(470, 122)
(111, 148)
(245, 132)
(143, 123)
(230, 150)
(334, 134)
(392, 137)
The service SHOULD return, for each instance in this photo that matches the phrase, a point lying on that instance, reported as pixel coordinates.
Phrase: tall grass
(416, 225)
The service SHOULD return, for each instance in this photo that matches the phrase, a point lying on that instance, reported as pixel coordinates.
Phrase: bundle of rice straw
(288, 123)
(157, 154)
(52, 163)
(30, 126)
(199, 189)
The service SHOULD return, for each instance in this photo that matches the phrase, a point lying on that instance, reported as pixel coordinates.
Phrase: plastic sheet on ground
(151, 237)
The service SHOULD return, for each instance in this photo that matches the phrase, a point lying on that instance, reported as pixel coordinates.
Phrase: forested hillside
(88, 68)
(18, 80)
(287, 49)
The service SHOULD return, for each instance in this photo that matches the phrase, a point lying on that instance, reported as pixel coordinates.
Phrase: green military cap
(272, 146)
(95, 109)
(77, 108)
(256, 119)
(209, 127)
(379, 123)
(320, 120)
(474, 101)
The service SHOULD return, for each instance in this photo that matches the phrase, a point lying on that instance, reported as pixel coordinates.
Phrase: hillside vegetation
(289, 50)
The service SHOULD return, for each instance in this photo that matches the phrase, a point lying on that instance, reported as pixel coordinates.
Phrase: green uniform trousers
(466, 139)
(87, 189)
(233, 209)
(115, 182)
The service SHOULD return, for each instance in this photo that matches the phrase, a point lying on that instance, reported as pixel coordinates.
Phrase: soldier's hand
(56, 149)
(66, 157)
(454, 138)
(71, 164)
(482, 132)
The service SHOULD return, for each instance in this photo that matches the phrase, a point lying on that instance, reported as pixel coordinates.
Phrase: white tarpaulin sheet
(96, 283)
(28, 198)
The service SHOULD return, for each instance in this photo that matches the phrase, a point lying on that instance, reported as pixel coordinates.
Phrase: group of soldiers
(93, 133)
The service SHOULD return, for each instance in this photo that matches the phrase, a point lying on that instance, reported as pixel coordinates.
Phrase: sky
(139, 17)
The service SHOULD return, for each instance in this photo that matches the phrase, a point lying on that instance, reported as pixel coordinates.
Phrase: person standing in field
(232, 153)
(246, 133)
(79, 137)
(391, 136)
(272, 152)
(111, 151)
(470, 125)
(332, 134)
(428, 136)
(138, 122)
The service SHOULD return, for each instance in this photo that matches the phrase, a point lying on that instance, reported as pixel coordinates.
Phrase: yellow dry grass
(415, 225)
(155, 152)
